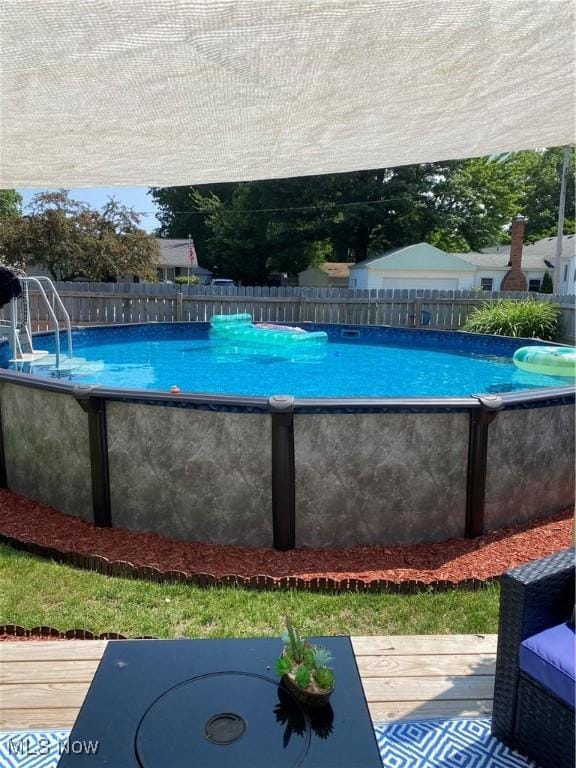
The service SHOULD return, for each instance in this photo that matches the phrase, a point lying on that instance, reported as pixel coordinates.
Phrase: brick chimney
(514, 280)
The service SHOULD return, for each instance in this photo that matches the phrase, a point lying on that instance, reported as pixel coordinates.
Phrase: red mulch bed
(456, 560)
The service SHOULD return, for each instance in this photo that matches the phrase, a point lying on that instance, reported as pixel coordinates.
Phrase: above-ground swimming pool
(356, 362)
(379, 436)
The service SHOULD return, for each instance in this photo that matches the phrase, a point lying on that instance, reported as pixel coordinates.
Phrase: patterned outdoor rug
(418, 744)
(465, 743)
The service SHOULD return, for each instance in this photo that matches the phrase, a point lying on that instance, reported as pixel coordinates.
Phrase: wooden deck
(43, 684)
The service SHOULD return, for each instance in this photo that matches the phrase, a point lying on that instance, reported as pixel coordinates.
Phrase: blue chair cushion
(550, 658)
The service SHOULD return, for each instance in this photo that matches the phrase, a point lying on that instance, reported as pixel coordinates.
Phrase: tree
(72, 240)
(541, 191)
(287, 224)
(10, 203)
(471, 202)
(180, 216)
(248, 229)
(547, 286)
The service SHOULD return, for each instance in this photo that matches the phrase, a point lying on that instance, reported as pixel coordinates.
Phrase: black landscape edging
(261, 582)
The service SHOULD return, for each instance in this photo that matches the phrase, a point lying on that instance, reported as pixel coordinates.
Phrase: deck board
(52, 650)
(27, 672)
(412, 645)
(416, 666)
(43, 684)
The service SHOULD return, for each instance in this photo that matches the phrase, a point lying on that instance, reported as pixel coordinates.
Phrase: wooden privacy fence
(111, 303)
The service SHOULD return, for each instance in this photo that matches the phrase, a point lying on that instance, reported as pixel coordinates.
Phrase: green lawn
(34, 591)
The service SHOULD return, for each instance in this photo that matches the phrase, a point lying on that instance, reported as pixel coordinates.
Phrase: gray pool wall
(357, 473)
(289, 472)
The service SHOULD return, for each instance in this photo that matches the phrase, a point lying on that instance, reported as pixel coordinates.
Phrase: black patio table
(217, 704)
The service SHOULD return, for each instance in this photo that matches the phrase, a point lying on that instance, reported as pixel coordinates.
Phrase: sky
(134, 197)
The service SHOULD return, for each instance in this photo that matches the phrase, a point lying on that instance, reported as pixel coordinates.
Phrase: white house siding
(433, 283)
(380, 279)
(495, 275)
(422, 266)
(568, 276)
(359, 278)
(386, 279)
(535, 274)
(498, 275)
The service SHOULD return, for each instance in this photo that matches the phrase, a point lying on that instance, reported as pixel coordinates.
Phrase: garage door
(435, 284)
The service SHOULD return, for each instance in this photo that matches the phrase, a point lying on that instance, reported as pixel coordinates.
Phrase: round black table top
(224, 719)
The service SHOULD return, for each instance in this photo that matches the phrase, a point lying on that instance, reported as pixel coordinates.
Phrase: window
(534, 285)
(353, 281)
(486, 283)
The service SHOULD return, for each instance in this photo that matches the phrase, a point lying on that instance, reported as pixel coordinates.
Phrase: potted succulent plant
(304, 669)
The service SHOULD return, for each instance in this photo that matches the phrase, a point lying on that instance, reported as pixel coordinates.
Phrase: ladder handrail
(52, 316)
(56, 295)
(37, 282)
(14, 337)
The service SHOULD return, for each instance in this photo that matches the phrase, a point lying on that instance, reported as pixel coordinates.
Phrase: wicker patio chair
(528, 717)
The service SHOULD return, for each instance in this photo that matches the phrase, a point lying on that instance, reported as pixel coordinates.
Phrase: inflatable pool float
(241, 329)
(551, 361)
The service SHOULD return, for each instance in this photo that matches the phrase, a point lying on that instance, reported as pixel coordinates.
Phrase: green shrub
(546, 286)
(183, 280)
(526, 318)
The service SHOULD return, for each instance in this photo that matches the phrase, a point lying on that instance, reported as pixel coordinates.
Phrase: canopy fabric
(167, 92)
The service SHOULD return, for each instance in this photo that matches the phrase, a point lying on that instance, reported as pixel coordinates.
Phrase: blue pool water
(381, 362)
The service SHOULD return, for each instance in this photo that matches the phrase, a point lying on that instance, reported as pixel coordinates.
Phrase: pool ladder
(20, 337)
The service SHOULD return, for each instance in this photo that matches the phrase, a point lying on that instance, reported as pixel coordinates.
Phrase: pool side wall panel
(191, 474)
(392, 478)
(530, 471)
(47, 449)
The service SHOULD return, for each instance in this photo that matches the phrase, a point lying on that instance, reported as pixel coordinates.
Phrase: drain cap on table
(225, 728)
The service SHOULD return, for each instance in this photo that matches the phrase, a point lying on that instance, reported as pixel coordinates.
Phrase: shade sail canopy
(166, 92)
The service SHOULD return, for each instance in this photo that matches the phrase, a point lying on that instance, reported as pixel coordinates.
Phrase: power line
(317, 208)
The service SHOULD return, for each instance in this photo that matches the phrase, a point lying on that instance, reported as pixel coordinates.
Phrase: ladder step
(77, 365)
(31, 357)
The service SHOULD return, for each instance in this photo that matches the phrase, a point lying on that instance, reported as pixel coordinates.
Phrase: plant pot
(309, 698)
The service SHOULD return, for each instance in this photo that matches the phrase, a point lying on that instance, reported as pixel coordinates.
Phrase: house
(174, 260)
(508, 268)
(330, 274)
(514, 267)
(537, 258)
(415, 266)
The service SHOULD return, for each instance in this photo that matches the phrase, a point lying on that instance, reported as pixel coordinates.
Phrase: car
(222, 282)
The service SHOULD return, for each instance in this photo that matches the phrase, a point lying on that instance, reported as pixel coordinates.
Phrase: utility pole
(560, 236)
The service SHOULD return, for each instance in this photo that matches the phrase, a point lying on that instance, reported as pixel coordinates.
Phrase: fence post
(480, 419)
(179, 302)
(300, 309)
(283, 473)
(417, 312)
